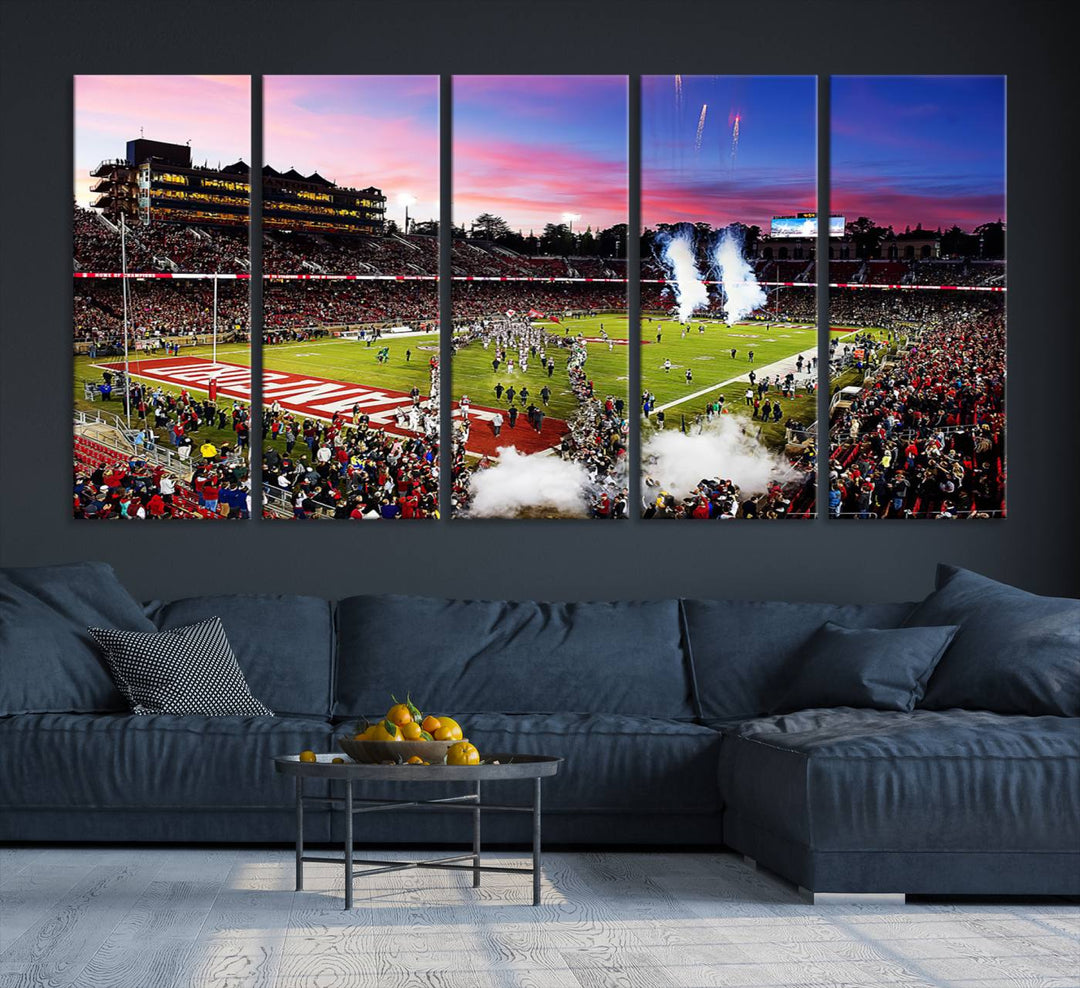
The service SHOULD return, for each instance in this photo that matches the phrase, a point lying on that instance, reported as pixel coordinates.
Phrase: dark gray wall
(44, 44)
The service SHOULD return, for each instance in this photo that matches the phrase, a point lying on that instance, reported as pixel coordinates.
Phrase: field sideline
(707, 354)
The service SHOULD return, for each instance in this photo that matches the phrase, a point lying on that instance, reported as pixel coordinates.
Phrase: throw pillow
(1015, 652)
(883, 669)
(189, 670)
(48, 662)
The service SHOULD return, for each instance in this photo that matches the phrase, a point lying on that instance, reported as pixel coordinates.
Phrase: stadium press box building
(156, 181)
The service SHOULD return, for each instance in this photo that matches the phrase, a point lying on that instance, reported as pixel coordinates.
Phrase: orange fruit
(449, 730)
(431, 724)
(385, 731)
(399, 714)
(308, 756)
(462, 753)
(415, 760)
(337, 761)
(411, 731)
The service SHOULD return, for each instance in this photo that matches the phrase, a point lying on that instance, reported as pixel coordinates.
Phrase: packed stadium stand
(157, 308)
(90, 501)
(886, 272)
(160, 247)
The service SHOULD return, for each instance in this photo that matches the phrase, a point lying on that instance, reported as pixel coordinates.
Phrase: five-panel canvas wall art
(723, 416)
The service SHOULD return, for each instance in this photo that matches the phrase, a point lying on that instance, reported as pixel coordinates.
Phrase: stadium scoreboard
(804, 225)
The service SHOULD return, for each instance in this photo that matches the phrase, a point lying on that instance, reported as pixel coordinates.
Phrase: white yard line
(781, 367)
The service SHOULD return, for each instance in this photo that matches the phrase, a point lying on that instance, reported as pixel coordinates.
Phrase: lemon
(308, 756)
(448, 730)
(411, 731)
(337, 761)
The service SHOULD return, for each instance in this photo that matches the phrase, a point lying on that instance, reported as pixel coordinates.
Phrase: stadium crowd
(348, 468)
(156, 310)
(158, 247)
(313, 304)
(925, 436)
(202, 479)
(720, 499)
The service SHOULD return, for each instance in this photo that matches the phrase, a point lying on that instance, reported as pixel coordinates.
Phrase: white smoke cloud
(521, 484)
(678, 462)
(742, 293)
(690, 291)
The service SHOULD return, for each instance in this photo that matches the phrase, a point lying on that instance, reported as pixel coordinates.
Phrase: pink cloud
(888, 206)
(538, 95)
(358, 131)
(212, 112)
(531, 185)
(719, 203)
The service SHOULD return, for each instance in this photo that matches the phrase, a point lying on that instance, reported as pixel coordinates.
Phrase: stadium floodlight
(568, 219)
(406, 199)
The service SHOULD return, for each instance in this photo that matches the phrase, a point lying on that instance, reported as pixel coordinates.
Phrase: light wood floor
(189, 918)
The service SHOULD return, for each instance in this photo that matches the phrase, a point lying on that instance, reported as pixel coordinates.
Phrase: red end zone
(320, 398)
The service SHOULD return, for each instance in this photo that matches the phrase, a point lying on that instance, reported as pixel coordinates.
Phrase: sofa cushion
(614, 763)
(744, 652)
(284, 644)
(864, 780)
(865, 667)
(1015, 652)
(475, 656)
(48, 661)
(160, 761)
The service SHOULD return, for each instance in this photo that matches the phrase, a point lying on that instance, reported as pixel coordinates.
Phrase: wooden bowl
(376, 752)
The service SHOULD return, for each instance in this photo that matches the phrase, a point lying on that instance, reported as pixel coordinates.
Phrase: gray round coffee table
(535, 767)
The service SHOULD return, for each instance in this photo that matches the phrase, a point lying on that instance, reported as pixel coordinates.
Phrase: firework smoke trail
(734, 140)
(678, 93)
(683, 275)
(700, 127)
(742, 294)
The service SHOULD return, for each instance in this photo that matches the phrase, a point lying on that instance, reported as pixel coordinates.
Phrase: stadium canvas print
(540, 339)
(351, 334)
(161, 275)
(728, 323)
(917, 298)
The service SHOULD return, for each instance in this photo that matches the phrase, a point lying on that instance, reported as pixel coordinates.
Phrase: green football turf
(708, 354)
(355, 363)
(85, 370)
(471, 371)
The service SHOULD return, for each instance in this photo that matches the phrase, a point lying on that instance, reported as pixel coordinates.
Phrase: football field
(472, 373)
(708, 356)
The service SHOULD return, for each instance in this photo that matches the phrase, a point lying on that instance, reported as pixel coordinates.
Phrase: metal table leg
(536, 841)
(299, 833)
(348, 844)
(476, 840)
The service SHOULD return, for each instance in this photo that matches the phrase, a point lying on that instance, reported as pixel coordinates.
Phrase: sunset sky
(213, 112)
(775, 165)
(530, 148)
(919, 149)
(359, 131)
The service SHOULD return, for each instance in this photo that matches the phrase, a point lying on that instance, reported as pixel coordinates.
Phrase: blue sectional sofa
(663, 710)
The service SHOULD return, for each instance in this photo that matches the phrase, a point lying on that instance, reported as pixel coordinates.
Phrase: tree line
(984, 241)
